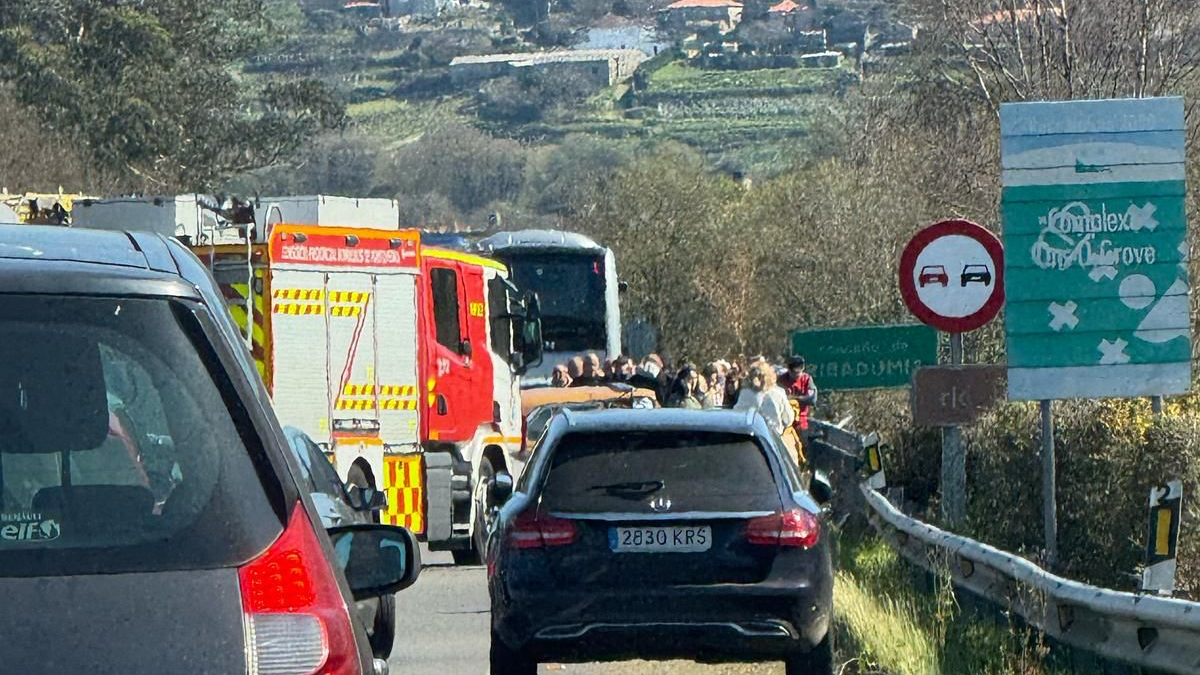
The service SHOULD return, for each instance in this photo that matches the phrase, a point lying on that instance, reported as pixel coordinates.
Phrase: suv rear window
(117, 450)
(624, 472)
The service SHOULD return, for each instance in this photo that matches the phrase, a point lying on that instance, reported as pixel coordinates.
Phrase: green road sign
(866, 357)
(1095, 234)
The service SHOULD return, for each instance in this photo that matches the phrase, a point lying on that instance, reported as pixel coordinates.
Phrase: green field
(676, 77)
(754, 121)
(395, 122)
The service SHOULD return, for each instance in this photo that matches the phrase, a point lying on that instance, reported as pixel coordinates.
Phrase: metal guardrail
(1146, 631)
(1142, 630)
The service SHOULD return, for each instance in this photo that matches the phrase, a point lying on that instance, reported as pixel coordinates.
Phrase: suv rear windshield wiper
(631, 489)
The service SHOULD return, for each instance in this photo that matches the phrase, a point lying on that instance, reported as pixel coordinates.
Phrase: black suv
(659, 534)
(151, 519)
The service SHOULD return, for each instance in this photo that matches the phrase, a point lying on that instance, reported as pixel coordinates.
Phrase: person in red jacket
(801, 391)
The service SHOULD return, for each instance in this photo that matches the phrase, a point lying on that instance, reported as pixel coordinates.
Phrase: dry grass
(886, 629)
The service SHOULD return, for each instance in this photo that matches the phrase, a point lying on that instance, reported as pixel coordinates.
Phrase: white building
(615, 32)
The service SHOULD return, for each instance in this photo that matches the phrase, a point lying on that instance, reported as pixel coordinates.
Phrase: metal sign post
(952, 278)
(1049, 482)
(954, 457)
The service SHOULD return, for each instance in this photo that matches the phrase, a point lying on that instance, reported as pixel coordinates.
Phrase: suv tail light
(790, 528)
(530, 530)
(296, 619)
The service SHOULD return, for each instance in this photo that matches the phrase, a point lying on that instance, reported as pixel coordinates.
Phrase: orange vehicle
(611, 393)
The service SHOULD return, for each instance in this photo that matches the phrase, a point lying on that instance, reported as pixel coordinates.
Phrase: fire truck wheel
(483, 505)
(356, 476)
(466, 556)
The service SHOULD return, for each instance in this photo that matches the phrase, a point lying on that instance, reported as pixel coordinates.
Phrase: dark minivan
(659, 534)
(151, 521)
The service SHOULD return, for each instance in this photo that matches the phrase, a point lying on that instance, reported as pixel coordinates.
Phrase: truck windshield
(570, 287)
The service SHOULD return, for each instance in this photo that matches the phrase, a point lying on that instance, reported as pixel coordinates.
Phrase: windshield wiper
(632, 489)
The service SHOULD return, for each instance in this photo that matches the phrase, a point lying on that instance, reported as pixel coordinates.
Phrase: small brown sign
(944, 396)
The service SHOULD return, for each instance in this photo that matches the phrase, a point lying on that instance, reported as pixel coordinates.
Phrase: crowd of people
(782, 394)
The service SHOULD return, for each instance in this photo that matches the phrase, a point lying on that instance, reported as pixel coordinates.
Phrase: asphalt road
(442, 627)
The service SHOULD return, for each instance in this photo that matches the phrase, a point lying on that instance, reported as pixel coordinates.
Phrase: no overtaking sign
(952, 276)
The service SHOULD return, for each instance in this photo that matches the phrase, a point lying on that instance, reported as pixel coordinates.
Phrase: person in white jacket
(761, 393)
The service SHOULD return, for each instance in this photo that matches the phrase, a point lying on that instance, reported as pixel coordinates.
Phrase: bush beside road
(1109, 454)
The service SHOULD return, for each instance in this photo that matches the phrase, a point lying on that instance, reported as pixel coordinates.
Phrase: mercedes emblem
(660, 504)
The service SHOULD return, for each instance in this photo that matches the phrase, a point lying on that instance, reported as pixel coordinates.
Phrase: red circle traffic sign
(952, 276)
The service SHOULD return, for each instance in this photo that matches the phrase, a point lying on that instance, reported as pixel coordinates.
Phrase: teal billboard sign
(866, 357)
(1095, 239)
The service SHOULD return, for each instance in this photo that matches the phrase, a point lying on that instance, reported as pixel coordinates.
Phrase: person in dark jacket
(685, 390)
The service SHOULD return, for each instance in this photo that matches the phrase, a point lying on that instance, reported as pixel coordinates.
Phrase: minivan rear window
(118, 451)
(624, 472)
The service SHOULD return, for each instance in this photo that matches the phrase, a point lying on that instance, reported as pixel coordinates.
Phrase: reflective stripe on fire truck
(390, 397)
(312, 301)
(235, 299)
(403, 480)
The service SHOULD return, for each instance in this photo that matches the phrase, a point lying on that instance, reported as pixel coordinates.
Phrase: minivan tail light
(797, 528)
(530, 530)
(296, 619)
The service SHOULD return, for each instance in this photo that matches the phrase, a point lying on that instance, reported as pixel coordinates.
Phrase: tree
(35, 160)
(1063, 49)
(467, 166)
(565, 179)
(148, 90)
(663, 216)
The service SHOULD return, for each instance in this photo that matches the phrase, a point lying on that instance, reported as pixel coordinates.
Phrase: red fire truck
(402, 361)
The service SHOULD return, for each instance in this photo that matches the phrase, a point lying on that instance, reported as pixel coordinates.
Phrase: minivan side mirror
(365, 498)
(377, 559)
(820, 488)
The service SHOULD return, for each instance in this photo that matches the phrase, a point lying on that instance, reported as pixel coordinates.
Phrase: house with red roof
(697, 15)
(797, 16)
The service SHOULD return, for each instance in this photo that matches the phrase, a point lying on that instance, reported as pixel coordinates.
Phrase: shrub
(1109, 454)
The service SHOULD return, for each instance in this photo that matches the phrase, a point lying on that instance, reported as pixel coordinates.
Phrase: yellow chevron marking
(349, 297)
(355, 389)
(298, 294)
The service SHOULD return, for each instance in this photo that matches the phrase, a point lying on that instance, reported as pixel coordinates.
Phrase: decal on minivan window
(28, 526)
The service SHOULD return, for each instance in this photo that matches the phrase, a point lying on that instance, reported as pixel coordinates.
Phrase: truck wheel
(383, 635)
(483, 506)
(356, 476)
(507, 661)
(466, 556)
(817, 662)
